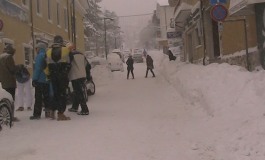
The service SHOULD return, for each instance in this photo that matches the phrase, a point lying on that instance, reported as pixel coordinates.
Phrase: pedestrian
(171, 56)
(58, 67)
(144, 53)
(23, 92)
(130, 67)
(77, 76)
(40, 83)
(150, 65)
(7, 72)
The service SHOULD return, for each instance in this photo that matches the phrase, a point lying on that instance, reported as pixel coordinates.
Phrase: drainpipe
(32, 30)
(74, 28)
(203, 32)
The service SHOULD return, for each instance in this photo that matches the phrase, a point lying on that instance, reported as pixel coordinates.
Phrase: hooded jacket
(78, 66)
(7, 71)
(38, 73)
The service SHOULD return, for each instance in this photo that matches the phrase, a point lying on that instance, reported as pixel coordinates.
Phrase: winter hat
(58, 39)
(41, 45)
(9, 49)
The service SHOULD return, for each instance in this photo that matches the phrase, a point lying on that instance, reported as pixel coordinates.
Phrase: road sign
(214, 2)
(1, 25)
(219, 12)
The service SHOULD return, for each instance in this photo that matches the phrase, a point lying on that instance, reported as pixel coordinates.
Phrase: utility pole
(105, 31)
(73, 23)
(32, 30)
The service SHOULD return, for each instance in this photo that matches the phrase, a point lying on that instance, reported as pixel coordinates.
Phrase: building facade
(24, 23)
(233, 40)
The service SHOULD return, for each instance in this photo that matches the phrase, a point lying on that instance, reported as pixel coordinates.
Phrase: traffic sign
(219, 12)
(214, 2)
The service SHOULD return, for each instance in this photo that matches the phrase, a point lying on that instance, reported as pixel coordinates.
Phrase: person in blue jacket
(41, 83)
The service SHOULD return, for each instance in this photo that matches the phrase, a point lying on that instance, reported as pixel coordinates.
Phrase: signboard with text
(173, 34)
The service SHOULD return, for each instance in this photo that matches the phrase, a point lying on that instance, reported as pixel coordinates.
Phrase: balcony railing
(14, 10)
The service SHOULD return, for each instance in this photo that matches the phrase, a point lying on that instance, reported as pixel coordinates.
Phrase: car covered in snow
(6, 108)
(115, 63)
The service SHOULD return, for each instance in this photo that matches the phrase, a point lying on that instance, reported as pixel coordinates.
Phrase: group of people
(149, 65)
(53, 69)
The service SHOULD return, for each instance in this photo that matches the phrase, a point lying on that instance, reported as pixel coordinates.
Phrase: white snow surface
(188, 112)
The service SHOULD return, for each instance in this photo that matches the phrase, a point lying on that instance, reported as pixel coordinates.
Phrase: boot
(62, 117)
(20, 109)
(47, 114)
(29, 109)
(52, 114)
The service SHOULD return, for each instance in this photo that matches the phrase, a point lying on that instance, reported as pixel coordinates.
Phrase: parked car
(115, 63)
(138, 57)
(89, 86)
(89, 54)
(6, 107)
(126, 53)
(118, 51)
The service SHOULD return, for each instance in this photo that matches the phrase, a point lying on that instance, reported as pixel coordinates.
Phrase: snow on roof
(163, 2)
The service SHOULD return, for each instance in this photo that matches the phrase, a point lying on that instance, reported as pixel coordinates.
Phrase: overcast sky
(129, 7)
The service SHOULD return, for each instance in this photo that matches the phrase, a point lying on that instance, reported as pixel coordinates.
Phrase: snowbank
(231, 102)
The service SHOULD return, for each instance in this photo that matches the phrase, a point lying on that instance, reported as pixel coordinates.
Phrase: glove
(34, 83)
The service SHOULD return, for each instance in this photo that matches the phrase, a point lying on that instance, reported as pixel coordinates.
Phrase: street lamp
(106, 34)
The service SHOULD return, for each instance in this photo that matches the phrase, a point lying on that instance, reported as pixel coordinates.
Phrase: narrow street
(129, 119)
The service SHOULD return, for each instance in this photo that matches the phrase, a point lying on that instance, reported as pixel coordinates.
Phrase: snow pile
(228, 105)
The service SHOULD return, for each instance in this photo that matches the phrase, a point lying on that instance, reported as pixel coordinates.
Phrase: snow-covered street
(188, 112)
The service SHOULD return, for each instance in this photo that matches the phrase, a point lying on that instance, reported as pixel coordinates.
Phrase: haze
(129, 7)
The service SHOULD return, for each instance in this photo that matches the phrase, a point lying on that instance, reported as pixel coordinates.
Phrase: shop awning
(182, 12)
(242, 7)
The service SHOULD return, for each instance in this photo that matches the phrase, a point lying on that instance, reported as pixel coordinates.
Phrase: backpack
(22, 74)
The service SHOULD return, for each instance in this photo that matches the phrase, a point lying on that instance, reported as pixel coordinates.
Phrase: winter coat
(149, 62)
(22, 74)
(7, 71)
(39, 66)
(171, 56)
(129, 63)
(58, 63)
(78, 66)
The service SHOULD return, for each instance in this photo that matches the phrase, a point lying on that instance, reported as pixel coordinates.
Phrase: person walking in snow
(150, 65)
(24, 95)
(130, 67)
(171, 56)
(7, 72)
(40, 83)
(77, 76)
(58, 67)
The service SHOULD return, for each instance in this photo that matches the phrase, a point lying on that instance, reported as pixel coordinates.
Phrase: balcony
(182, 12)
(14, 10)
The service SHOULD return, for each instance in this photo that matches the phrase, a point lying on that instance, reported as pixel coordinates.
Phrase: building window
(58, 13)
(65, 19)
(38, 7)
(49, 10)
(28, 52)
(198, 35)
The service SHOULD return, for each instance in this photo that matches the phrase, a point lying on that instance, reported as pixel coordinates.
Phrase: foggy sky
(129, 7)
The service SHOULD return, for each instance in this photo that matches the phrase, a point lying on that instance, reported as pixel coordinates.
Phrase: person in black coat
(130, 68)
(171, 56)
(150, 65)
